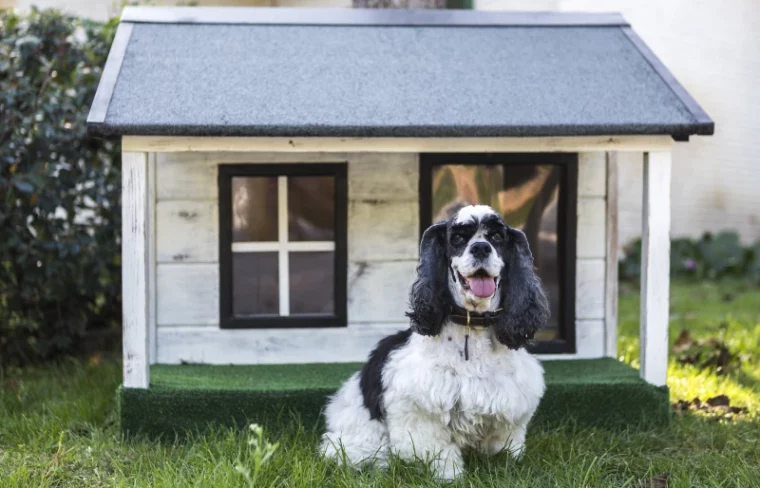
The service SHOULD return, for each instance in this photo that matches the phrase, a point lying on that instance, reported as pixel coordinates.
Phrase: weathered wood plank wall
(383, 225)
(382, 232)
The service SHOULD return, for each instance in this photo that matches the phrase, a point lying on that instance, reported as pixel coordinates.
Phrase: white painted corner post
(611, 255)
(135, 257)
(655, 268)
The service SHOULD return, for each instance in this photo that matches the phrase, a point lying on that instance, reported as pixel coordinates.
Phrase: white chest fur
(494, 386)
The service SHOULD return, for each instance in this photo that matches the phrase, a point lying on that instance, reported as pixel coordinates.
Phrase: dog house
(279, 166)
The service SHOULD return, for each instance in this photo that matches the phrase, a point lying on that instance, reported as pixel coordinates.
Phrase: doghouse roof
(194, 71)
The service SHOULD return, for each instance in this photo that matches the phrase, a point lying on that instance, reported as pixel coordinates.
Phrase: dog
(459, 377)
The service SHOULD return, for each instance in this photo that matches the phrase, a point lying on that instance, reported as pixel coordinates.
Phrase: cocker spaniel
(460, 376)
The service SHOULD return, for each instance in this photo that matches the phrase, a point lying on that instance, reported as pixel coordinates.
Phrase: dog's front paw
(511, 441)
(448, 466)
(516, 450)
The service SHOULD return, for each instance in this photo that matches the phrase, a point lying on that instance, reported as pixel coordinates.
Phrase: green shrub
(753, 260)
(59, 188)
(712, 256)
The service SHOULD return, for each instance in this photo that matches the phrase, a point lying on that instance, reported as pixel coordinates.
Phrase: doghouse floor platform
(600, 392)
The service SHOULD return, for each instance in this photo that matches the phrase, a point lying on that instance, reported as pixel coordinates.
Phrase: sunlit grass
(728, 311)
(57, 428)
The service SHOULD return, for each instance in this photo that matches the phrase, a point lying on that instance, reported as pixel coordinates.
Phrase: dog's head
(477, 262)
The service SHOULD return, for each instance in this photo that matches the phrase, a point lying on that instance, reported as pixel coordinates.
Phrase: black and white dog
(460, 376)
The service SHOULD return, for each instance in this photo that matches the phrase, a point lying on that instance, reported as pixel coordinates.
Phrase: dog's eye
(457, 239)
(497, 238)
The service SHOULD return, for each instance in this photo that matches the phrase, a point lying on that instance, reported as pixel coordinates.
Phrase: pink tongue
(481, 287)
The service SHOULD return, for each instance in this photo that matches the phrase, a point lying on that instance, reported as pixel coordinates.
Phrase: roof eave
(704, 125)
(678, 132)
(99, 108)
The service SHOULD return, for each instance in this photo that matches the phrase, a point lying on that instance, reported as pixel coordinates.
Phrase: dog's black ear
(429, 297)
(524, 304)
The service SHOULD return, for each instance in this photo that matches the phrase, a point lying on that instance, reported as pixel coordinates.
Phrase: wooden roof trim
(365, 17)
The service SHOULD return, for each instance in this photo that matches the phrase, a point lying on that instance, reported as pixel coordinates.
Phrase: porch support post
(655, 268)
(611, 276)
(134, 268)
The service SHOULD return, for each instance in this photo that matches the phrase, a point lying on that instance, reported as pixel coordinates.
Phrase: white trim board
(152, 258)
(611, 240)
(357, 17)
(655, 268)
(397, 145)
(210, 345)
(135, 273)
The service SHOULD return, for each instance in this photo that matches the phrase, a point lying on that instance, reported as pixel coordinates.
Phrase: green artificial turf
(600, 392)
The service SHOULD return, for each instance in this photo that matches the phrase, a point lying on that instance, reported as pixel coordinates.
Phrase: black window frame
(227, 320)
(566, 225)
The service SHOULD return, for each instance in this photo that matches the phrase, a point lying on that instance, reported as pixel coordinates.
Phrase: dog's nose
(480, 250)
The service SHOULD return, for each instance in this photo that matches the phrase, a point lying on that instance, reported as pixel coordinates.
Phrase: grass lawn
(57, 426)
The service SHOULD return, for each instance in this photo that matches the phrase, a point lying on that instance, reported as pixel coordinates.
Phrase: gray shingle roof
(352, 73)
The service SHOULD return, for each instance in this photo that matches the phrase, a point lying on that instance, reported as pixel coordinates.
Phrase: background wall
(105, 9)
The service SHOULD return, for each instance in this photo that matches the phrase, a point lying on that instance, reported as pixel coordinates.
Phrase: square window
(283, 258)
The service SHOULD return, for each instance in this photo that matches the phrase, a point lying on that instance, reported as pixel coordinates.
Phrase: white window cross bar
(303, 246)
(282, 234)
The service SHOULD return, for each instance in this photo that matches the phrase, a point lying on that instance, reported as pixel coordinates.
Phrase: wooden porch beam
(611, 255)
(655, 268)
(135, 258)
(397, 144)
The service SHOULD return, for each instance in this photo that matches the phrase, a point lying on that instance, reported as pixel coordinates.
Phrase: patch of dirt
(719, 407)
(95, 359)
(710, 353)
(11, 385)
(658, 481)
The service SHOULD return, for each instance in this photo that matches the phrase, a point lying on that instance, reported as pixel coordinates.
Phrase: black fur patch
(370, 378)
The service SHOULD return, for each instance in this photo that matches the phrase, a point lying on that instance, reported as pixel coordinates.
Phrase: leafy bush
(753, 263)
(722, 254)
(712, 256)
(59, 188)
